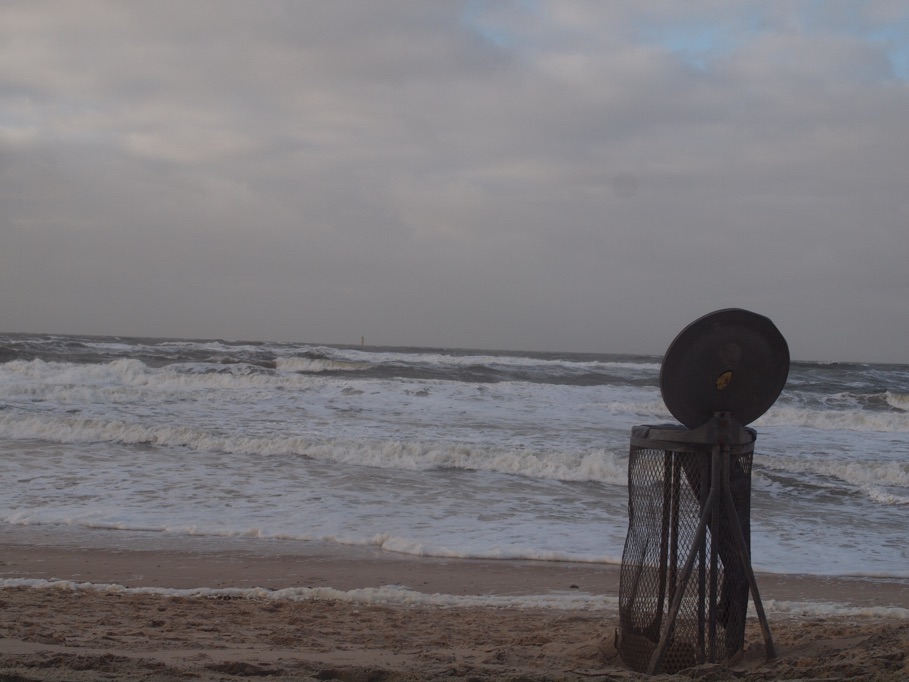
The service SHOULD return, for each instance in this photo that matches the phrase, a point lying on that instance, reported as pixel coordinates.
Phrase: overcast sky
(566, 176)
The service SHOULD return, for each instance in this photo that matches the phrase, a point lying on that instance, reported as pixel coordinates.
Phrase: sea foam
(401, 595)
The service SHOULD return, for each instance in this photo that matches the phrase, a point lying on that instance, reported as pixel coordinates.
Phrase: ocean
(426, 452)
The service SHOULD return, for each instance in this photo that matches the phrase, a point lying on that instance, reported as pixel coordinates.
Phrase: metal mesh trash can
(671, 472)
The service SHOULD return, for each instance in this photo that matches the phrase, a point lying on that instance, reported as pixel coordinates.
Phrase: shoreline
(324, 565)
(129, 613)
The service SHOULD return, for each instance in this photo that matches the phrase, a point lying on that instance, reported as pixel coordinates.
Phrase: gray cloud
(562, 176)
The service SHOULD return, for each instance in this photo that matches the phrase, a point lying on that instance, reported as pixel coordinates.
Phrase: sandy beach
(84, 613)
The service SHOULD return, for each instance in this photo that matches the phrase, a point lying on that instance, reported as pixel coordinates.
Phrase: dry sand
(71, 632)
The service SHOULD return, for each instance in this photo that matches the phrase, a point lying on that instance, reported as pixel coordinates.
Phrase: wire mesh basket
(673, 522)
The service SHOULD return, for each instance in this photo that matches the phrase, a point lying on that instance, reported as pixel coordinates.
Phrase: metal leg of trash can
(745, 557)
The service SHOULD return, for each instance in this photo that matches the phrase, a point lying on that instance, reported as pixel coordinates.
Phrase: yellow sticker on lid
(723, 380)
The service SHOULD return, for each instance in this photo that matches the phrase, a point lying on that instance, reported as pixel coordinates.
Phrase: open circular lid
(731, 360)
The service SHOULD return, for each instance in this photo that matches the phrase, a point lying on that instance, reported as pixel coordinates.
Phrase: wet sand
(79, 623)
